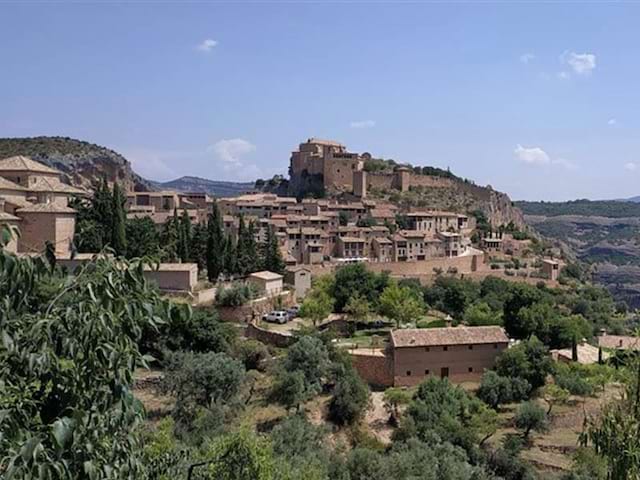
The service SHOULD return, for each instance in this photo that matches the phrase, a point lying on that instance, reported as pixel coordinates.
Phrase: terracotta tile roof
(20, 163)
(587, 354)
(46, 208)
(424, 337)
(619, 342)
(9, 185)
(7, 217)
(43, 184)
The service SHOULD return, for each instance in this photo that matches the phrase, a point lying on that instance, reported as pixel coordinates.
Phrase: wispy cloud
(612, 121)
(563, 75)
(631, 166)
(363, 124)
(536, 156)
(207, 45)
(532, 155)
(580, 63)
(527, 57)
(230, 151)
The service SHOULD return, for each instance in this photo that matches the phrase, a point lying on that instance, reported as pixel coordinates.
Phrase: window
(408, 373)
(426, 349)
(426, 372)
(445, 349)
(470, 369)
(495, 345)
(470, 347)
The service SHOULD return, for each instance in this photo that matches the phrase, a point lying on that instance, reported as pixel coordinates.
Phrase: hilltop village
(345, 293)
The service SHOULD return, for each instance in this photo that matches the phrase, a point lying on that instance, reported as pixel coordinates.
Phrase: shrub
(253, 354)
(530, 417)
(350, 399)
(236, 295)
(496, 390)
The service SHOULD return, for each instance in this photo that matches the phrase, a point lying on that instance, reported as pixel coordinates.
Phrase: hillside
(212, 187)
(82, 163)
(605, 234)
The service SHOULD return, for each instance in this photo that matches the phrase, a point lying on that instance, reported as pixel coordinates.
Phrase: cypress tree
(185, 236)
(215, 245)
(198, 246)
(230, 256)
(271, 256)
(101, 212)
(118, 231)
(241, 248)
(169, 238)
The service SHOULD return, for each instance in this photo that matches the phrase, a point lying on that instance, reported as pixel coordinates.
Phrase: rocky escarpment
(82, 163)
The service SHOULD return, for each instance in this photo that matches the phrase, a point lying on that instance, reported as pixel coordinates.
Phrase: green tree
(198, 246)
(291, 389)
(316, 307)
(230, 256)
(529, 360)
(400, 304)
(241, 456)
(358, 308)
(170, 238)
(554, 395)
(357, 279)
(75, 392)
(530, 417)
(184, 237)
(119, 234)
(215, 244)
(270, 254)
(394, 399)
(496, 390)
(481, 314)
(350, 398)
(247, 251)
(143, 238)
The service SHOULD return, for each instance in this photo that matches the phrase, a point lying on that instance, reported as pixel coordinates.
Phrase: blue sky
(538, 100)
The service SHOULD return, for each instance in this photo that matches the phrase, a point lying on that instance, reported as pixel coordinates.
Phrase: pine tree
(271, 257)
(184, 233)
(169, 238)
(215, 245)
(118, 232)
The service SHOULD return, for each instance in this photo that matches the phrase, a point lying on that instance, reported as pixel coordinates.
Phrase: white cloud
(363, 124)
(563, 75)
(207, 45)
(537, 156)
(532, 156)
(230, 151)
(527, 57)
(581, 63)
(631, 166)
(612, 121)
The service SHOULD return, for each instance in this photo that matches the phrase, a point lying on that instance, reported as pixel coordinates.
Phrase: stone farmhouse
(34, 199)
(458, 353)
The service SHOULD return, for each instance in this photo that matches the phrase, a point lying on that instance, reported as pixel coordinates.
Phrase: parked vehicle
(276, 316)
(293, 312)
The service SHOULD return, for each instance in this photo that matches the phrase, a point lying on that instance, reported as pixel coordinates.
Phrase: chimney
(603, 332)
(448, 321)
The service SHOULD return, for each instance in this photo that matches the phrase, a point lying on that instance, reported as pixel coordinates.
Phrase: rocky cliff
(82, 163)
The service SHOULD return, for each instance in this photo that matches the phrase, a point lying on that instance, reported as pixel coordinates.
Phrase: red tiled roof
(619, 342)
(425, 337)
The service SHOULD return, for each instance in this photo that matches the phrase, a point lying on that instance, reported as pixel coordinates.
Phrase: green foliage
(291, 389)
(343, 218)
(356, 279)
(236, 295)
(310, 356)
(270, 254)
(185, 234)
(252, 353)
(215, 244)
(350, 398)
(587, 465)
(358, 308)
(401, 304)
(481, 314)
(583, 207)
(528, 360)
(246, 249)
(394, 399)
(118, 233)
(496, 390)
(66, 367)
(316, 306)
(143, 239)
(242, 455)
(554, 395)
(530, 417)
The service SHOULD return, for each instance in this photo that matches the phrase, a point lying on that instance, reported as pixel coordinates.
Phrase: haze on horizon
(540, 101)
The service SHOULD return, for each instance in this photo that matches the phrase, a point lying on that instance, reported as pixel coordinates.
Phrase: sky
(540, 100)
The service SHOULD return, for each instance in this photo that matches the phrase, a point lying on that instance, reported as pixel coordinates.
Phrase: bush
(350, 399)
(496, 390)
(253, 354)
(530, 417)
(236, 295)
(575, 383)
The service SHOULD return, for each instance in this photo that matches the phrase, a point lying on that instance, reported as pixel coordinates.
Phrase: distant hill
(590, 208)
(82, 163)
(212, 187)
(635, 199)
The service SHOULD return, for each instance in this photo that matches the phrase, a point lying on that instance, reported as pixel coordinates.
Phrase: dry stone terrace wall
(375, 367)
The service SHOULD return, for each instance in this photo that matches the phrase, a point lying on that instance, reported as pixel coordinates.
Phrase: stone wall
(464, 264)
(278, 339)
(254, 309)
(374, 366)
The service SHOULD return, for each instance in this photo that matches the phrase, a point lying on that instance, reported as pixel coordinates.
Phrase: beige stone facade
(173, 277)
